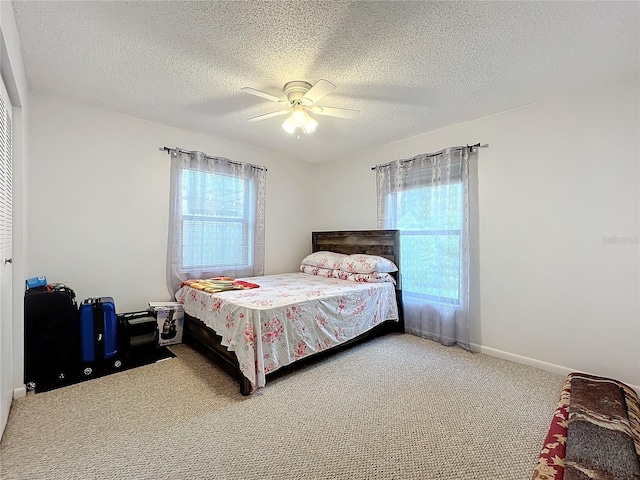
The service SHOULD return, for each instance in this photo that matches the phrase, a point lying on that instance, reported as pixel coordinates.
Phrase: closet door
(6, 252)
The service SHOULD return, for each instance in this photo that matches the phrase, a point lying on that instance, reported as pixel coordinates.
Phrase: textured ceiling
(409, 67)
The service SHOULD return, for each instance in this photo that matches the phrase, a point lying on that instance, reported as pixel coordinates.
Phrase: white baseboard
(532, 362)
(20, 392)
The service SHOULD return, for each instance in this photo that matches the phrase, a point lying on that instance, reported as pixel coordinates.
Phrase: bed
(295, 318)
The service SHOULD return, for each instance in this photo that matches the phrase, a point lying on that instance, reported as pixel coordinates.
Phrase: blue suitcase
(98, 334)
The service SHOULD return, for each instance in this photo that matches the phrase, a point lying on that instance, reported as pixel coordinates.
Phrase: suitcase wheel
(117, 364)
(88, 371)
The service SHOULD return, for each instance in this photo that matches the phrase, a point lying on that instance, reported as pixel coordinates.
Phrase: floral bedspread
(289, 317)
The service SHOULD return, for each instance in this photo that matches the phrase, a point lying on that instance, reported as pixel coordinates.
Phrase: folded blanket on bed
(218, 284)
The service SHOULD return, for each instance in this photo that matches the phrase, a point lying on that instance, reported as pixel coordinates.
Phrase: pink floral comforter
(289, 317)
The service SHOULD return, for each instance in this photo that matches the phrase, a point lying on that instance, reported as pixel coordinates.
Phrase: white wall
(11, 329)
(99, 200)
(558, 177)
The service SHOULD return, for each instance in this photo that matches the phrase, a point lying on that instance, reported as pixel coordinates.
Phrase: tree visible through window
(427, 198)
(430, 223)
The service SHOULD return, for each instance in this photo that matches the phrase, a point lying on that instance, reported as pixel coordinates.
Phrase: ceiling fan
(302, 99)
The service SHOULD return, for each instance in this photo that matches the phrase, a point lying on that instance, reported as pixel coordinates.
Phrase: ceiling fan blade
(268, 115)
(335, 112)
(267, 96)
(318, 91)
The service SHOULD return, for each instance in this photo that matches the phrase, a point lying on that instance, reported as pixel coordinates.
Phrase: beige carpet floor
(398, 407)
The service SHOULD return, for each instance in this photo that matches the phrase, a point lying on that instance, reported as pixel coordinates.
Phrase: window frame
(392, 205)
(248, 218)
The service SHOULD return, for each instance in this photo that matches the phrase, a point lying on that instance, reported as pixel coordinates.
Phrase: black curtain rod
(180, 150)
(470, 147)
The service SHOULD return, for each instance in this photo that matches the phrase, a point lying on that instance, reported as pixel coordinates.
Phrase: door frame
(14, 78)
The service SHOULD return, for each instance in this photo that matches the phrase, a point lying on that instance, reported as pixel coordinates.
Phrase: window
(430, 228)
(427, 198)
(216, 221)
(216, 218)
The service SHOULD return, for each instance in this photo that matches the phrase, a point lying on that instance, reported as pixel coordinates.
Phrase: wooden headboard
(384, 243)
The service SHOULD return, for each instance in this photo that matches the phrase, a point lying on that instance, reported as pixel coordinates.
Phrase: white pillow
(323, 259)
(361, 263)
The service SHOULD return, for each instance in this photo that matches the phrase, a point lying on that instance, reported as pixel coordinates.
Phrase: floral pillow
(323, 259)
(373, 277)
(323, 272)
(361, 263)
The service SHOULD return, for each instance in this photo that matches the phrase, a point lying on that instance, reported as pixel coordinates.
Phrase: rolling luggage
(98, 334)
(51, 337)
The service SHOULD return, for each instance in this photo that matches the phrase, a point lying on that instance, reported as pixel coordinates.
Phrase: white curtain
(216, 221)
(427, 199)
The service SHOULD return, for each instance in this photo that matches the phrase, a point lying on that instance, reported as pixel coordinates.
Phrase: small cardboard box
(170, 320)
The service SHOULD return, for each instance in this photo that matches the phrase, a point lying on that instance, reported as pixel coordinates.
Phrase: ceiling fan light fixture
(310, 125)
(299, 117)
(289, 126)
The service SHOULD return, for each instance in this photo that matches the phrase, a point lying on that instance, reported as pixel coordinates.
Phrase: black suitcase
(51, 337)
